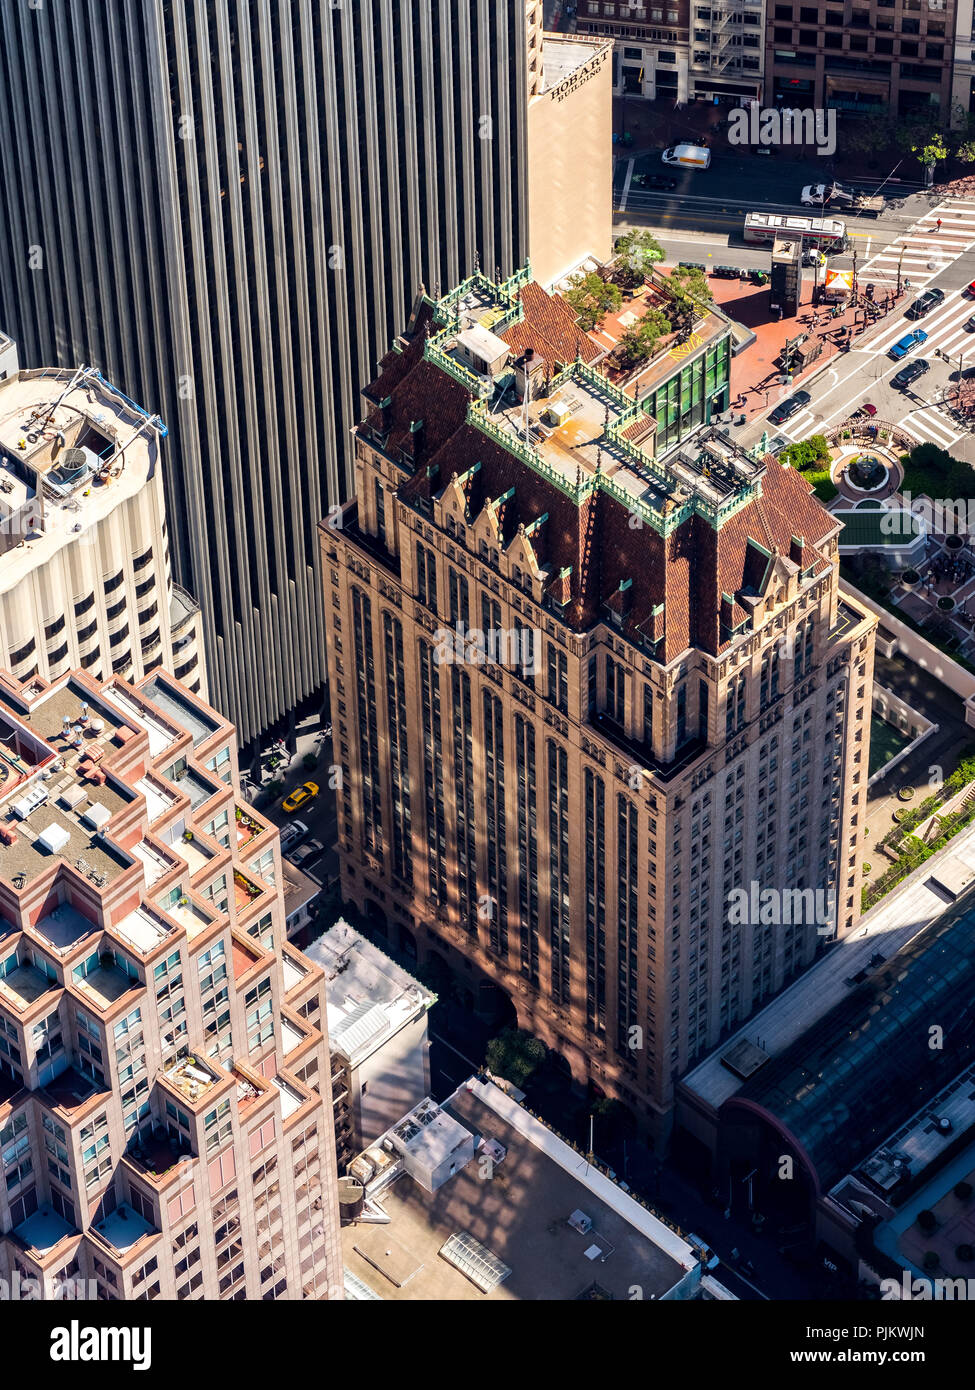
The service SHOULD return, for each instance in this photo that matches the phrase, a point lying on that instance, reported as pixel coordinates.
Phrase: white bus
(826, 233)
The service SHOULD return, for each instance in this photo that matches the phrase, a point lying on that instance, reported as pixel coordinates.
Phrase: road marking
(946, 316)
(626, 186)
(930, 426)
(799, 422)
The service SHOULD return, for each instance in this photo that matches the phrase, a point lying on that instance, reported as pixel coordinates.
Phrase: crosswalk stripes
(930, 426)
(801, 426)
(916, 250)
(944, 326)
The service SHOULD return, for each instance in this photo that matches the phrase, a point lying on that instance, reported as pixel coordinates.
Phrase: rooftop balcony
(191, 915)
(160, 799)
(246, 891)
(195, 851)
(246, 955)
(293, 973)
(64, 927)
(104, 985)
(192, 784)
(156, 863)
(248, 827)
(42, 1231)
(156, 1156)
(69, 1091)
(24, 985)
(191, 1076)
(143, 930)
(123, 1229)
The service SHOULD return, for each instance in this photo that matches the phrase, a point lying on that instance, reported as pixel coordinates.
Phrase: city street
(318, 815)
(716, 200)
(946, 260)
(908, 245)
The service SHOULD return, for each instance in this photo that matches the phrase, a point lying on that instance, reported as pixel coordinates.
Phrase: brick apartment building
(679, 50)
(865, 58)
(694, 718)
(162, 1047)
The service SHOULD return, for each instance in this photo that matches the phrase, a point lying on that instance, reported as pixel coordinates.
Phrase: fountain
(866, 473)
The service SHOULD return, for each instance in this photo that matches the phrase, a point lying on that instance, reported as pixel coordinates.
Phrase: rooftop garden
(908, 850)
(811, 457)
(671, 307)
(247, 827)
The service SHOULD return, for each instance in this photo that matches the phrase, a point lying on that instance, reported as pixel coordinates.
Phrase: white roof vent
(97, 814)
(54, 838)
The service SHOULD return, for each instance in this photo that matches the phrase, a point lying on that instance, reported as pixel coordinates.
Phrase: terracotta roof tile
(675, 584)
(550, 327)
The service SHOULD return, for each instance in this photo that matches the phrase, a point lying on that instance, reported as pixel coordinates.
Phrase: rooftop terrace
(191, 1076)
(574, 425)
(55, 798)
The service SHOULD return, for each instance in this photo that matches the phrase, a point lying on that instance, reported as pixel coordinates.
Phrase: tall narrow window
(380, 511)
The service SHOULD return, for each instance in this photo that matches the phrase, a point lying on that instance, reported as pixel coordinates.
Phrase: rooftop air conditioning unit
(580, 1222)
(556, 413)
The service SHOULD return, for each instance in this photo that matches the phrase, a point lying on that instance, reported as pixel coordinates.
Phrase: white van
(688, 156)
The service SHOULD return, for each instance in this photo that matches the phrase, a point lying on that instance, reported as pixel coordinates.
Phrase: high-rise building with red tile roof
(593, 677)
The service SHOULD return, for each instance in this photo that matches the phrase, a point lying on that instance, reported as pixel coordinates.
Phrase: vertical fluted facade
(228, 207)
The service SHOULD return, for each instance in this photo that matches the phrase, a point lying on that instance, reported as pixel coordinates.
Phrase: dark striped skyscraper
(228, 206)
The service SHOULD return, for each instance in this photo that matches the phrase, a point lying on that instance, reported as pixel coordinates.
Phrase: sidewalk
(754, 372)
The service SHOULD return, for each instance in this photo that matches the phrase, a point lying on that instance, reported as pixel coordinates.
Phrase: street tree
(515, 1055)
(930, 152)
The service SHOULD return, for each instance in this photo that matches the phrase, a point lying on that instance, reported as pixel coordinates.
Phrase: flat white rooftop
(368, 996)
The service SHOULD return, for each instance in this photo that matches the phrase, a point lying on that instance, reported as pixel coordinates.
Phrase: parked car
(908, 374)
(661, 182)
(925, 303)
(300, 796)
(292, 835)
(908, 343)
(306, 854)
(787, 408)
